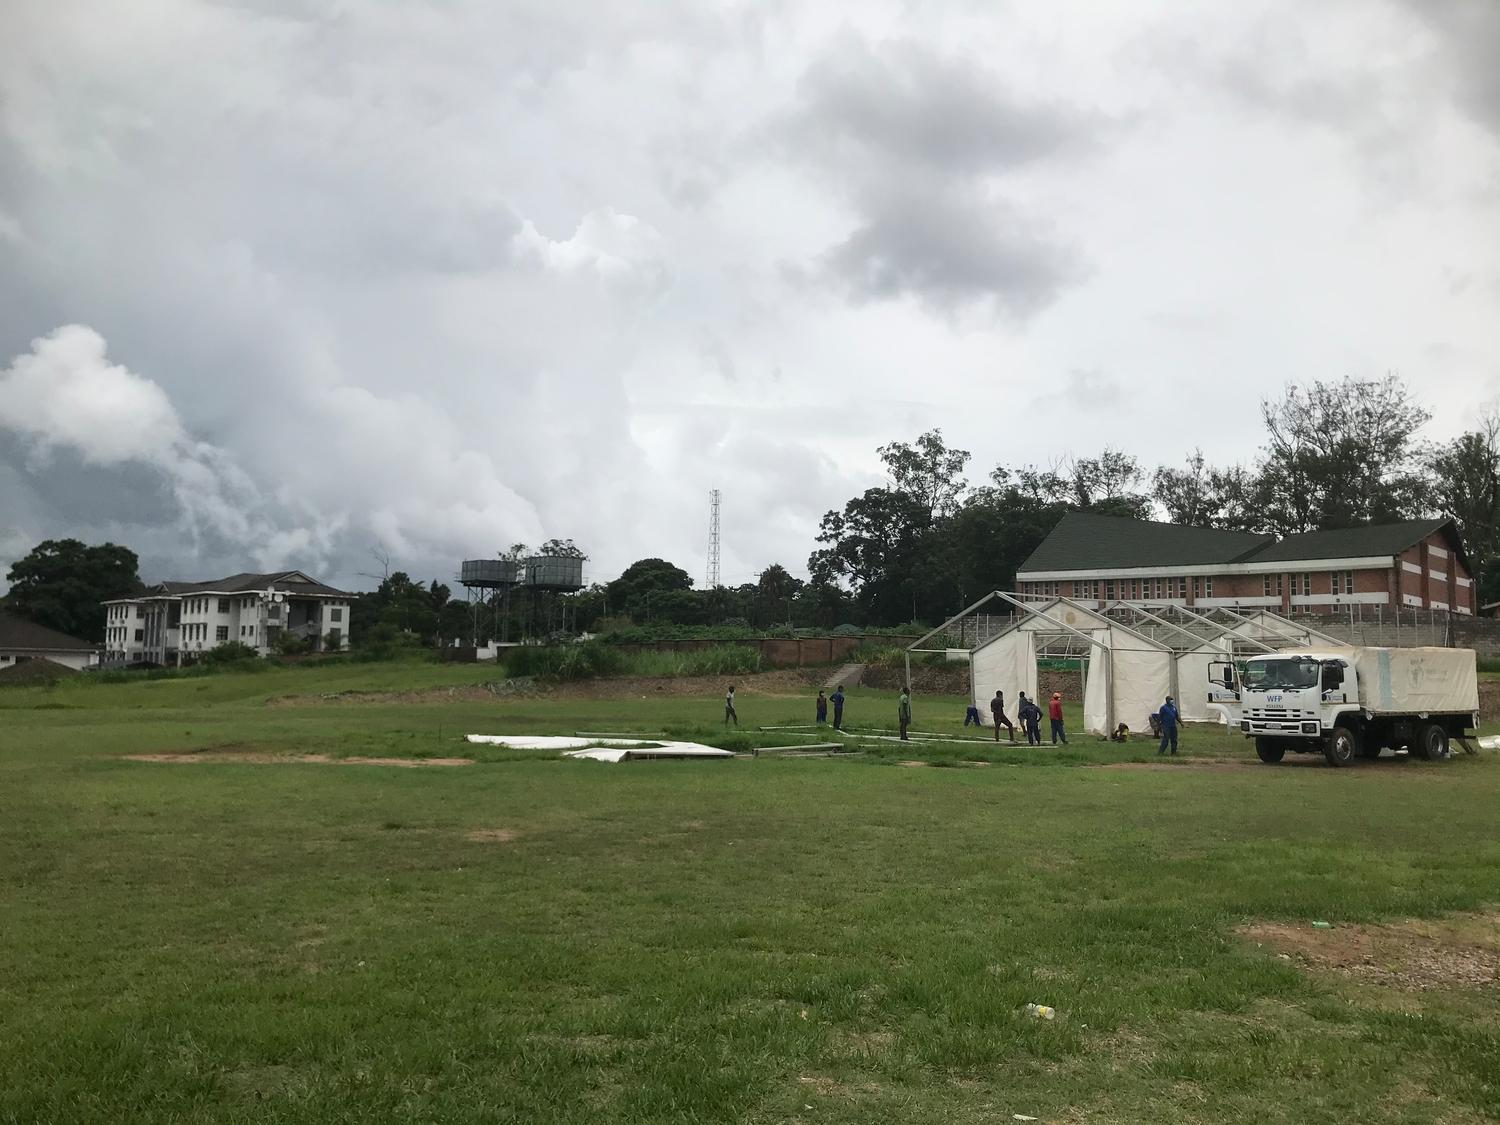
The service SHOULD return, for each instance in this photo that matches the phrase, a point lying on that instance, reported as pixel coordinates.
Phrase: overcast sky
(282, 282)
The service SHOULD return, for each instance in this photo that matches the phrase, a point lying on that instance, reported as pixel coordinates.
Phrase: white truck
(1351, 703)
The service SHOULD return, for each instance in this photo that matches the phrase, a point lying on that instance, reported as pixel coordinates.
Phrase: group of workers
(1164, 721)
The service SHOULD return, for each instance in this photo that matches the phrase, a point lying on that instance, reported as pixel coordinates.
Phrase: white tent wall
(1008, 664)
(1096, 694)
(1192, 681)
(1142, 675)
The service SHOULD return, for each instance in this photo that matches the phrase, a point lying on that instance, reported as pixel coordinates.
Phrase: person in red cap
(1054, 712)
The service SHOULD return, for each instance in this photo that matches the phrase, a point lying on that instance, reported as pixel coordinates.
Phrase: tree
(928, 471)
(1108, 484)
(1466, 488)
(560, 549)
(874, 545)
(1186, 494)
(1203, 496)
(643, 579)
(1342, 454)
(61, 583)
(775, 591)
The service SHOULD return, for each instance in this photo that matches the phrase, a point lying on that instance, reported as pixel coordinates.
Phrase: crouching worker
(972, 716)
(1121, 734)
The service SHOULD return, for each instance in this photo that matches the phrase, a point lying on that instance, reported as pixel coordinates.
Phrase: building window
(139, 612)
(140, 635)
(337, 613)
(1182, 588)
(221, 633)
(1208, 587)
(1197, 588)
(223, 605)
(1109, 590)
(1306, 584)
(1348, 581)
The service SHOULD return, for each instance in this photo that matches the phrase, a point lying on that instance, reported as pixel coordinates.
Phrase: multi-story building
(1100, 559)
(173, 622)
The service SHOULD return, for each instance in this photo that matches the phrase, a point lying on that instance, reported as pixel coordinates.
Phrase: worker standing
(1054, 712)
(729, 711)
(837, 699)
(903, 712)
(997, 712)
(1169, 717)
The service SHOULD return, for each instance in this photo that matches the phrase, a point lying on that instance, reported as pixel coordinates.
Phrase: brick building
(1093, 558)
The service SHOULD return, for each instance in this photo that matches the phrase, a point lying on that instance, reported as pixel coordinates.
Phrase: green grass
(757, 940)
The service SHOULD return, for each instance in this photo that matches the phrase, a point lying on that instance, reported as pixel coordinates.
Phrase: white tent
(1128, 673)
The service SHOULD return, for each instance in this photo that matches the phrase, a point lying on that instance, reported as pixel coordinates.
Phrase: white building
(176, 621)
(22, 640)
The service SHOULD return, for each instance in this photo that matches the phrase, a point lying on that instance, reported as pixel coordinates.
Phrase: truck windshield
(1271, 675)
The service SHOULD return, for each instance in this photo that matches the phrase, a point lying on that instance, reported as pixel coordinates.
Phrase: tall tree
(561, 549)
(61, 583)
(1466, 488)
(775, 590)
(928, 471)
(1186, 494)
(642, 583)
(1342, 454)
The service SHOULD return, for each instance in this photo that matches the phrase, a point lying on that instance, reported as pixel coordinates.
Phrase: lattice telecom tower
(713, 538)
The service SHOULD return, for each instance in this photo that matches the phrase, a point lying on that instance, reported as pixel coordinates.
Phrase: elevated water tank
(489, 573)
(554, 572)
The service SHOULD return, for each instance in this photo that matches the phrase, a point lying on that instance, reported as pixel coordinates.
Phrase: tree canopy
(60, 583)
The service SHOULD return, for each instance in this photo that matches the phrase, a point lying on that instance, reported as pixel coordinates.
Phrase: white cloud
(617, 248)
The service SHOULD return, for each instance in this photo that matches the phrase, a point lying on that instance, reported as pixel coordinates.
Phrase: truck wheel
(1270, 750)
(1431, 743)
(1341, 747)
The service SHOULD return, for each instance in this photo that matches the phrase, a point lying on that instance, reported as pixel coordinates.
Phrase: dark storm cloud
(66, 486)
(1469, 34)
(907, 104)
(921, 143)
(951, 248)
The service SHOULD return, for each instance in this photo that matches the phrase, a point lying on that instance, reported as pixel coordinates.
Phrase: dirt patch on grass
(1458, 952)
(914, 765)
(260, 758)
(492, 835)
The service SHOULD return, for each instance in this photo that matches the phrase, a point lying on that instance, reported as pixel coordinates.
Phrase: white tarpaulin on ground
(602, 749)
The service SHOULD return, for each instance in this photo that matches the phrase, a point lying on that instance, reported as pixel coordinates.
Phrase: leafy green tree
(643, 577)
(775, 592)
(562, 549)
(1342, 454)
(60, 583)
(1466, 488)
(927, 471)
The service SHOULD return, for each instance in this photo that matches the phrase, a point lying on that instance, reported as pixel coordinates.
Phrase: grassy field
(826, 940)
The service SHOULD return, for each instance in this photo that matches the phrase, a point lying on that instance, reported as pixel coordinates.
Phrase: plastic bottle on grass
(1041, 1011)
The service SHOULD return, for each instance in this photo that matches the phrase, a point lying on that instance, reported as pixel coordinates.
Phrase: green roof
(1357, 542)
(1082, 541)
(1085, 541)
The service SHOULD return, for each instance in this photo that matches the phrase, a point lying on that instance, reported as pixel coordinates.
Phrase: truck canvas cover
(1420, 680)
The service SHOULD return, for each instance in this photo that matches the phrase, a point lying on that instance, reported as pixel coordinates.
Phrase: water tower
(546, 577)
(481, 577)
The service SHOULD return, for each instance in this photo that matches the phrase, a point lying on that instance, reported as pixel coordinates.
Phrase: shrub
(564, 662)
(232, 652)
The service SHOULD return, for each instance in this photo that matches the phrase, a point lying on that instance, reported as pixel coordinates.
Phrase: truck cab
(1314, 701)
